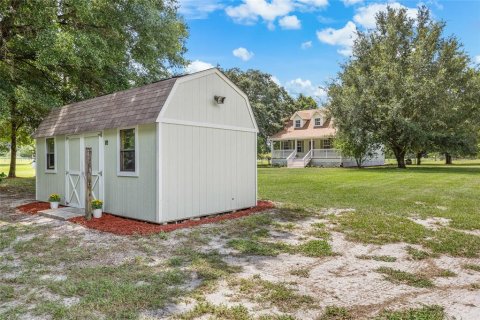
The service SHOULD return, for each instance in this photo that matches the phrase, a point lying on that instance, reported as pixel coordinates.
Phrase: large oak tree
(407, 85)
(54, 52)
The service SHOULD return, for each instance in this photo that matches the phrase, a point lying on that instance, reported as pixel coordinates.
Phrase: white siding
(206, 170)
(48, 183)
(193, 101)
(132, 197)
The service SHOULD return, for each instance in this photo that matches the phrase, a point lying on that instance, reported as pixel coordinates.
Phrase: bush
(2, 176)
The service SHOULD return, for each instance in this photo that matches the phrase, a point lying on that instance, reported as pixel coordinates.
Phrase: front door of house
(75, 168)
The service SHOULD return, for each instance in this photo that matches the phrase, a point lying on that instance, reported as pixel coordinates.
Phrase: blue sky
(302, 42)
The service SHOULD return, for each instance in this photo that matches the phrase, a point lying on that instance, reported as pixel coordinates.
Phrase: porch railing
(307, 157)
(291, 157)
(281, 154)
(326, 154)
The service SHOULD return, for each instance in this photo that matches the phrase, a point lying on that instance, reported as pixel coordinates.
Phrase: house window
(127, 150)
(327, 144)
(298, 123)
(286, 145)
(300, 146)
(50, 142)
(318, 122)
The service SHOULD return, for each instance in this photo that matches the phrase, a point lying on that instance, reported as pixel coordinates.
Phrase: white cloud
(343, 37)
(197, 65)
(305, 87)
(365, 16)
(243, 54)
(306, 45)
(250, 11)
(476, 59)
(198, 9)
(290, 22)
(351, 2)
(276, 80)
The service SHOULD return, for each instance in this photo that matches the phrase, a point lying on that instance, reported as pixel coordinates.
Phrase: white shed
(179, 148)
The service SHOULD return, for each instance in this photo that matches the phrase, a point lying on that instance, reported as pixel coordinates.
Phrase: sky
(302, 43)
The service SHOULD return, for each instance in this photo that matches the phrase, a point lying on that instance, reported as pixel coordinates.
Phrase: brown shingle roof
(309, 130)
(124, 108)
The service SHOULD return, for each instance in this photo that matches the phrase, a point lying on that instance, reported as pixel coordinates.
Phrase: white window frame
(137, 163)
(299, 146)
(54, 170)
(320, 122)
(299, 122)
(330, 144)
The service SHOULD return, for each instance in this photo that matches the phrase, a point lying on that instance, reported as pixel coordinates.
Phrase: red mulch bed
(34, 207)
(126, 226)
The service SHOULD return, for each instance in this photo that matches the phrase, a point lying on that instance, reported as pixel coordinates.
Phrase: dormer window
(318, 122)
(298, 123)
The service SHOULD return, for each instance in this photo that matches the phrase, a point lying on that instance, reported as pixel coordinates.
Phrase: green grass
(24, 169)
(276, 294)
(377, 258)
(402, 277)
(471, 266)
(384, 190)
(336, 313)
(416, 254)
(424, 313)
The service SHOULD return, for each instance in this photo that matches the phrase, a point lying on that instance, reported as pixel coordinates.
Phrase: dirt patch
(126, 226)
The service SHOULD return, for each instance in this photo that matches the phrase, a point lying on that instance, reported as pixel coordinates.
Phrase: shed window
(50, 142)
(127, 150)
(298, 123)
(318, 121)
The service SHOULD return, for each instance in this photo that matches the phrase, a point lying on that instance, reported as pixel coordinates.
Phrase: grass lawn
(427, 190)
(24, 168)
(307, 259)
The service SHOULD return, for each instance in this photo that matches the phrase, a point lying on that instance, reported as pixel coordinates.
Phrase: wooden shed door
(75, 168)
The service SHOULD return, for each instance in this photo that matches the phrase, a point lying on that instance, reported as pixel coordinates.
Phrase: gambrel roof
(120, 109)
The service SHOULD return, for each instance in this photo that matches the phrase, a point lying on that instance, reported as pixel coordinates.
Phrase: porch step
(64, 213)
(296, 163)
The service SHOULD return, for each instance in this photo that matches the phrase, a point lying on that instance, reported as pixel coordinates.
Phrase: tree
(270, 102)
(305, 102)
(399, 81)
(59, 52)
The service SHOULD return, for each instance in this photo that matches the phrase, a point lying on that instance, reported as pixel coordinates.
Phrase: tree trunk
(419, 158)
(400, 156)
(448, 158)
(13, 151)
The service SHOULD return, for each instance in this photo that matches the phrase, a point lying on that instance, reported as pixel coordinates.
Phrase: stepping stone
(62, 213)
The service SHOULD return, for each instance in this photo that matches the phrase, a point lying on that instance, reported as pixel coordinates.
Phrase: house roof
(309, 130)
(130, 107)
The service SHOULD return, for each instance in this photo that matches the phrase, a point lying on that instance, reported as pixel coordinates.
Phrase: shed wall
(193, 101)
(132, 197)
(48, 183)
(206, 170)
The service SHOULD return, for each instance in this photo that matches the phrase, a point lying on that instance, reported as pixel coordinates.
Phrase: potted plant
(97, 208)
(54, 199)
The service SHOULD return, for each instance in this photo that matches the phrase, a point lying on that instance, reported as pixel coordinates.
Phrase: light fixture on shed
(219, 99)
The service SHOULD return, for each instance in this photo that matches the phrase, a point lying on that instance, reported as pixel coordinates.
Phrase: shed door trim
(75, 179)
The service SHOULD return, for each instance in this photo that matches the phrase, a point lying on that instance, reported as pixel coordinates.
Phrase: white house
(175, 149)
(308, 139)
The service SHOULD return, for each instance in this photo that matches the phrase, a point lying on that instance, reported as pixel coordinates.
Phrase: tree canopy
(409, 87)
(57, 52)
(270, 102)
